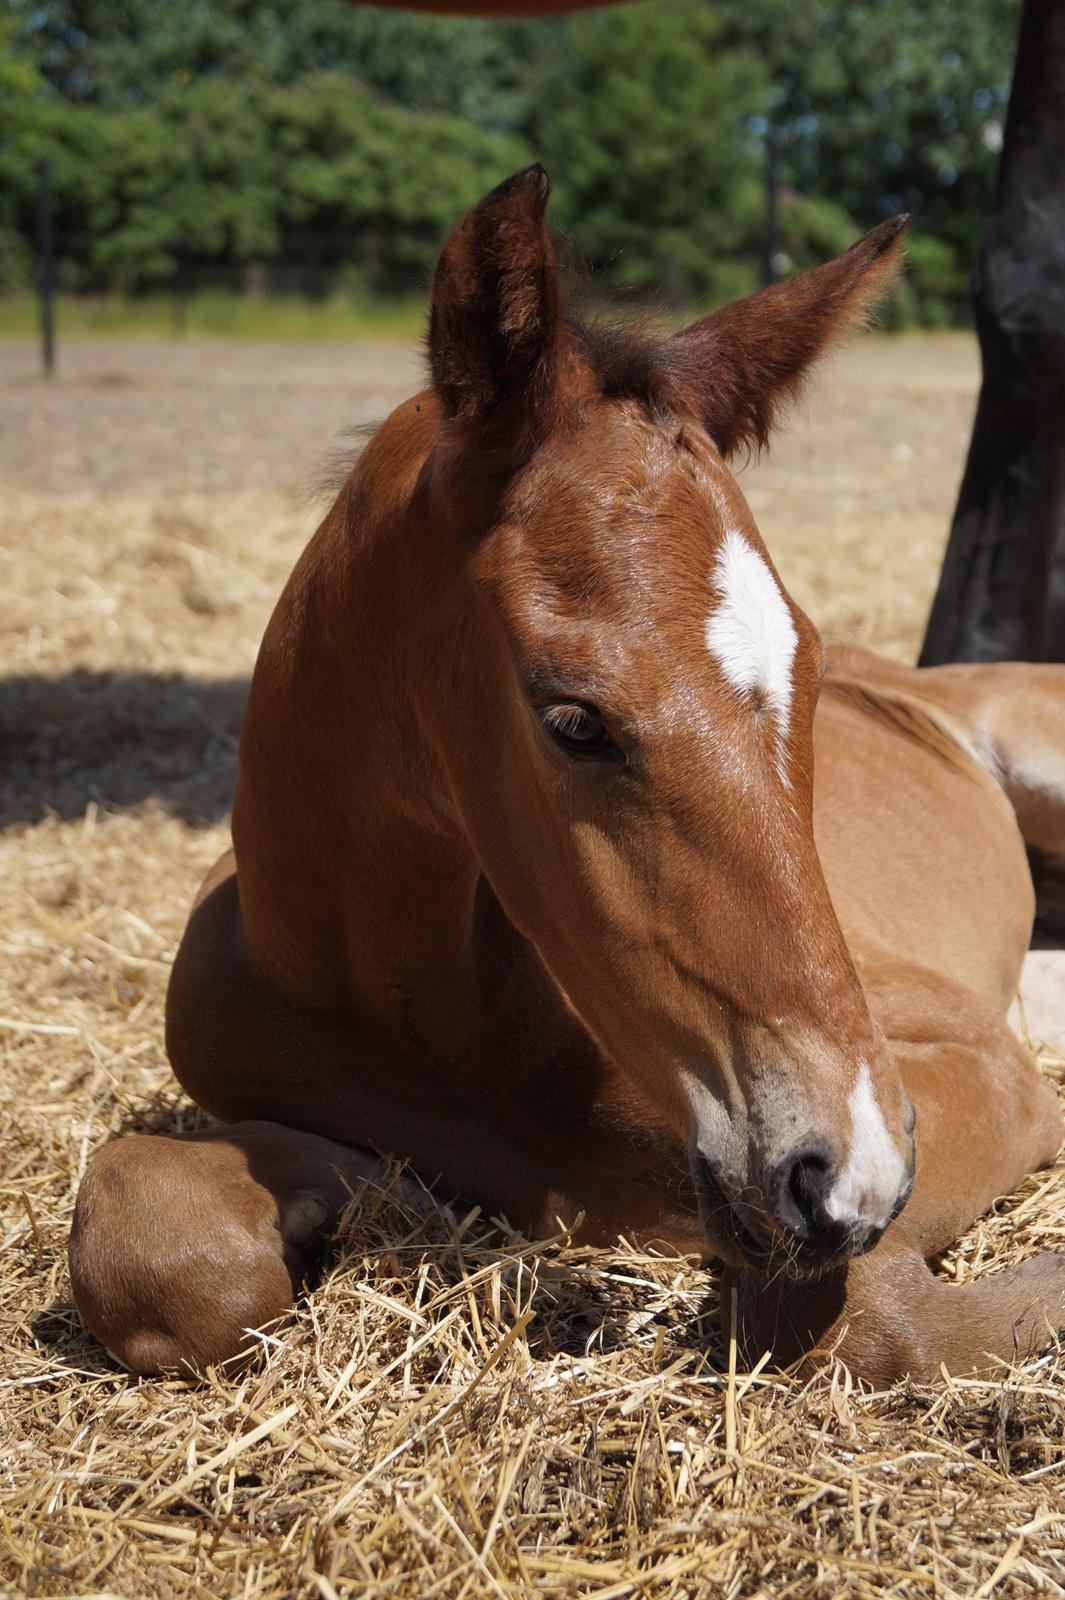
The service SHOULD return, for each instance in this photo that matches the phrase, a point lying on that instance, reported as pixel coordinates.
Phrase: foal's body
(351, 982)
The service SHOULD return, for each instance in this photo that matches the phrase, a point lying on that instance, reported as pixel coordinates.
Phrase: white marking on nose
(869, 1184)
(750, 633)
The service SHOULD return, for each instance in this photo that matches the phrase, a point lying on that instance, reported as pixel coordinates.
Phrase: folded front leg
(181, 1245)
(887, 1315)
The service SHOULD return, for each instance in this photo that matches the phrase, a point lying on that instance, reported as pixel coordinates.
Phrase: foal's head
(625, 717)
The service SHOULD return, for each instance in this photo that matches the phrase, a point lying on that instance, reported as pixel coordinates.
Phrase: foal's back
(919, 841)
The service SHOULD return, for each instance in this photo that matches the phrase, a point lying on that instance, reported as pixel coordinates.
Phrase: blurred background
(236, 165)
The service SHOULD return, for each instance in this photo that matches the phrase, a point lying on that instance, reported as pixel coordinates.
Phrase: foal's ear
(740, 364)
(495, 323)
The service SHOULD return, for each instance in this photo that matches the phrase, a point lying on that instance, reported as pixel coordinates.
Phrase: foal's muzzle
(786, 1222)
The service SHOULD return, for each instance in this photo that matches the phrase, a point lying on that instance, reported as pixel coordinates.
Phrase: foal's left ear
(496, 320)
(739, 365)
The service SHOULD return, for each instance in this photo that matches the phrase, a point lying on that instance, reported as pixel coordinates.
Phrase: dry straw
(454, 1412)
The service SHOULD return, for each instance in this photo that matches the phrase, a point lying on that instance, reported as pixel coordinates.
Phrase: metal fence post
(772, 224)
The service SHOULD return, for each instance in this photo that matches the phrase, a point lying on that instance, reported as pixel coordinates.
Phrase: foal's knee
(173, 1259)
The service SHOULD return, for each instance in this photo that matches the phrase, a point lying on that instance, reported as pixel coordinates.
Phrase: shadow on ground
(574, 1318)
(119, 739)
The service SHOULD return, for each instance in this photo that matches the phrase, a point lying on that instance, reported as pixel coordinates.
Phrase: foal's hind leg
(1014, 716)
(1011, 715)
(985, 1118)
(1016, 712)
(180, 1245)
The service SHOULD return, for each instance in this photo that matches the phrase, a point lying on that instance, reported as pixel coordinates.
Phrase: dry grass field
(455, 1412)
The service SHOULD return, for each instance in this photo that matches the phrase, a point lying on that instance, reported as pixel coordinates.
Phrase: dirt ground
(452, 1413)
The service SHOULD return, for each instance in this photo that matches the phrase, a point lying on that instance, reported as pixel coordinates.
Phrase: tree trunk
(1001, 593)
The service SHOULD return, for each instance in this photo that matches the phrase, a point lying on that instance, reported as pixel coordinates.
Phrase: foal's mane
(328, 477)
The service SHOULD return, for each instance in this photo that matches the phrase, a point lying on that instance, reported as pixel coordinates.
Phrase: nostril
(807, 1187)
(800, 1191)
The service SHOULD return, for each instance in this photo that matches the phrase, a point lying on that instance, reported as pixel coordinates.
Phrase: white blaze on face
(869, 1184)
(750, 633)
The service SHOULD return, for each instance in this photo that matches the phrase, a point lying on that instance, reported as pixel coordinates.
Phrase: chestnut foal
(531, 883)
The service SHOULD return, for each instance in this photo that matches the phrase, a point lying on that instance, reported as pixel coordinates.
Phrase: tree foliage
(641, 113)
(891, 107)
(228, 132)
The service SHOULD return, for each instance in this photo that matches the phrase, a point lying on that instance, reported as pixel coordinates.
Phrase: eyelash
(564, 721)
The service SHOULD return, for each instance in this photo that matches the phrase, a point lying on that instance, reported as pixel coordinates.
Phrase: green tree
(375, 179)
(639, 115)
(128, 52)
(890, 105)
(237, 130)
(20, 88)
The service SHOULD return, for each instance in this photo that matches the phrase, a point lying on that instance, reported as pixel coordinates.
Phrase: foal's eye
(577, 728)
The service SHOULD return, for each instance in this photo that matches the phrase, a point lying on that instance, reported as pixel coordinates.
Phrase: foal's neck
(358, 887)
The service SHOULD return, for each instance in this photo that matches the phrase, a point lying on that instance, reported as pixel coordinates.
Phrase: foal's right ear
(496, 320)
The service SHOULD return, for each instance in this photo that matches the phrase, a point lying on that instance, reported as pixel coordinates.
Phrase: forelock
(630, 361)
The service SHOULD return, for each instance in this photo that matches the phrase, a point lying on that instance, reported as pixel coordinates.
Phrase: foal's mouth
(740, 1232)
(733, 1227)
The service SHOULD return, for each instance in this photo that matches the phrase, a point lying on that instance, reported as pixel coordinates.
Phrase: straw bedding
(455, 1411)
